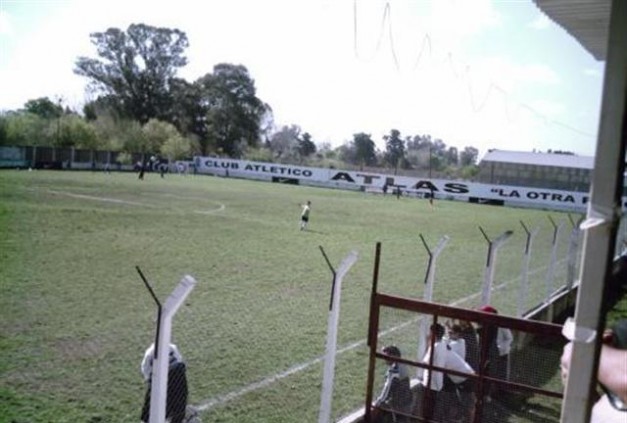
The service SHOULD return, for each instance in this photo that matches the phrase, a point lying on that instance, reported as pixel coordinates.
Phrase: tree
(121, 134)
(4, 135)
(326, 151)
(259, 154)
(365, 150)
(136, 68)
(285, 142)
(44, 108)
(177, 148)
(452, 156)
(468, 156)
(101, 106)
(23, 128)
(438, 148)
(235, 114)
(469, 172)
(419, 149)
(394, 149)
(156, 134)
(189, 110)
(72, 131)
(306, 146)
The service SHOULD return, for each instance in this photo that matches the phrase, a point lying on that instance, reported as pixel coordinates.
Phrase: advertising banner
(368, 181)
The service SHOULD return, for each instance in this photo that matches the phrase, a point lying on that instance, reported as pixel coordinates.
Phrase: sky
(481, 73)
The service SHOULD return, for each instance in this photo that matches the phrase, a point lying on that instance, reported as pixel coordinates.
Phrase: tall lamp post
(59, 101)
(429, 161)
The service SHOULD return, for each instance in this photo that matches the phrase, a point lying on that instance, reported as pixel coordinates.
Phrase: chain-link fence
(468, 366)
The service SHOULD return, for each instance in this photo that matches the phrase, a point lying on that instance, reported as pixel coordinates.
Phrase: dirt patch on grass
(76, 349)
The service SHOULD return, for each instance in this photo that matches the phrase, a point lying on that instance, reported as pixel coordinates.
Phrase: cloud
(463, 17)
(6, 26)
(547, 108)
(541, 22)
(509, 76)
(538, 73)
(593, 73)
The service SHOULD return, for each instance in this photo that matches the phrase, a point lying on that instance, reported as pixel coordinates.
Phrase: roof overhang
(586, 20)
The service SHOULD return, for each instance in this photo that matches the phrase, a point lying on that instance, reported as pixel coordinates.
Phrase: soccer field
(76, 317)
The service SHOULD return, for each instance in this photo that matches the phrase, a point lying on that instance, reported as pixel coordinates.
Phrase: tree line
(139, 105)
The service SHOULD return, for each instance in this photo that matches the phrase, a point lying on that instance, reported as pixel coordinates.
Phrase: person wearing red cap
(499, 346)
(488, 309)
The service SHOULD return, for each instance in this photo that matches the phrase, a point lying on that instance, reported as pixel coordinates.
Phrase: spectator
(176, 399)
(457, 398)
(504, 339)
(463, 341)
(612, 375)
(499, 342)
(469, 335)
(431, 402)
(455, 341)
(396, 395)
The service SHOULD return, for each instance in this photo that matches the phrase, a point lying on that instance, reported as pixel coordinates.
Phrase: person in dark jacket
(469, 335)
(396, 395)
(176, 400)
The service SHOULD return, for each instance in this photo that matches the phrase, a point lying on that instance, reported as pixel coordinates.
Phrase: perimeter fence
(497, 386)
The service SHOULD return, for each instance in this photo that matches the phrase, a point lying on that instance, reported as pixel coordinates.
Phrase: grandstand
(567, 172)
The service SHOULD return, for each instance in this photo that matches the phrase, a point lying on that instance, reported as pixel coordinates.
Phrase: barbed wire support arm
(165, 313)
(326, 395)
(488, 276)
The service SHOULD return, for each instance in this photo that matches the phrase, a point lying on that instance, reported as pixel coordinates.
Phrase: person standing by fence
(431, 400)
(396, 395)
(176, 399)
(499, 342)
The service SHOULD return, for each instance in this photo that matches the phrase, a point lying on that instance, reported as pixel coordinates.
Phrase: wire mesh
(475, 367)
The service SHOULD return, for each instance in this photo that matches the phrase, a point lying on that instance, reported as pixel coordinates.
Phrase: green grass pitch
(76, 317)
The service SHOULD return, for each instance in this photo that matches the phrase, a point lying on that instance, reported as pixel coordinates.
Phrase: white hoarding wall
(367, 181)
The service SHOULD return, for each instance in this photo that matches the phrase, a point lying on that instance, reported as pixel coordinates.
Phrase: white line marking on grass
(219, 209)
(105, 199)
(222, 399)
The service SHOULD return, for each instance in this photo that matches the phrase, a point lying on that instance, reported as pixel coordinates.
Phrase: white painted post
(523, 288)
(488, 276)
(600, 225)
(159, 386)
(428, 292)
(333, 320)
(550, 274)
(573, 249)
